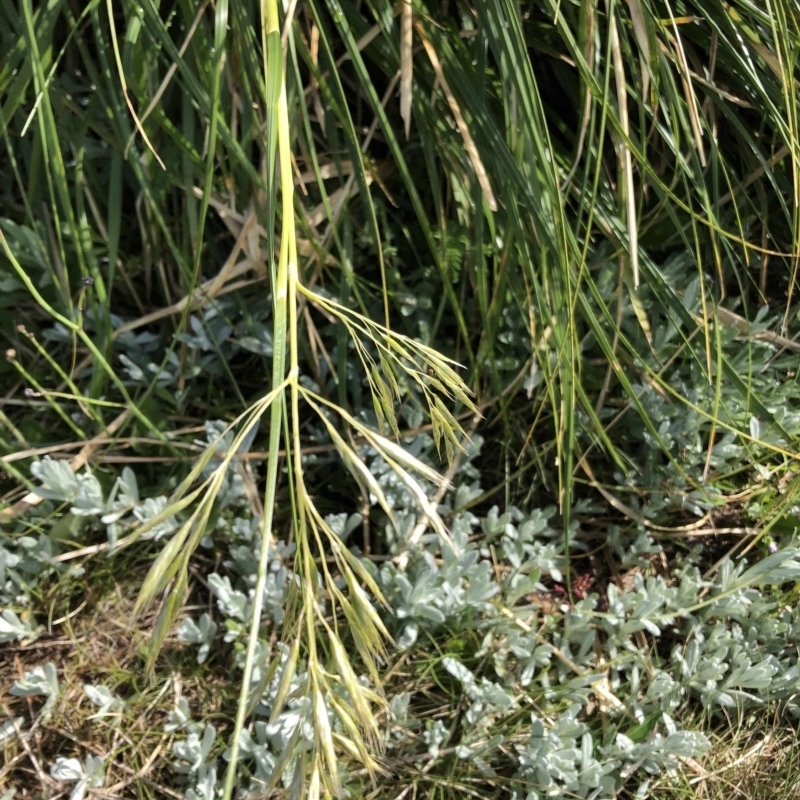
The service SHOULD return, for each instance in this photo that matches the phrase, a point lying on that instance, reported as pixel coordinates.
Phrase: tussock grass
(593, 207)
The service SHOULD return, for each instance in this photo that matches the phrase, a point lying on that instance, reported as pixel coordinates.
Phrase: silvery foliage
(216, 334)
(630, 552)
(231, 602)
(526, 541)
(24, 562)
(560, 757)
(261, 746)
(108, 703)
(26, 559)
(121, 510)
(89, 775)
(735, 647)
(191, 750)
(201, 633)
(232, 489)
(565, 753)
(41, 681)
(403, 725)
(488, 703)
(431, 593)
(60, 483)
(486, 697)
(14, 580)
(661, 752)
(10, 729)
(740, 654)
(234, 592)
(735, 652)
(206, 786)
(13, 628)
(434, 735)
(343, 524)
(180, 718)
(662, 487)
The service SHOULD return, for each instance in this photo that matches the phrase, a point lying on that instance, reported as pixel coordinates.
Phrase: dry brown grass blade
(326, 170)
(589, 56)
(313, 86)
(170, 73)
(406, 62)
(199, 298)
(688, 91)
(640, 31)
(463, 128)
(230, 217)
(124, 87)
(234, 221)
(336, 200)
(733, 320)
(624, 153)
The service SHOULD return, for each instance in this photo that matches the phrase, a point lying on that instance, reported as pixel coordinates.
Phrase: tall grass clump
(324, 596)
(541, 256)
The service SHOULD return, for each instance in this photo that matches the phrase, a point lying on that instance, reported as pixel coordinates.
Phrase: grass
(301, 227)
(758, 758)
(98, 641)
